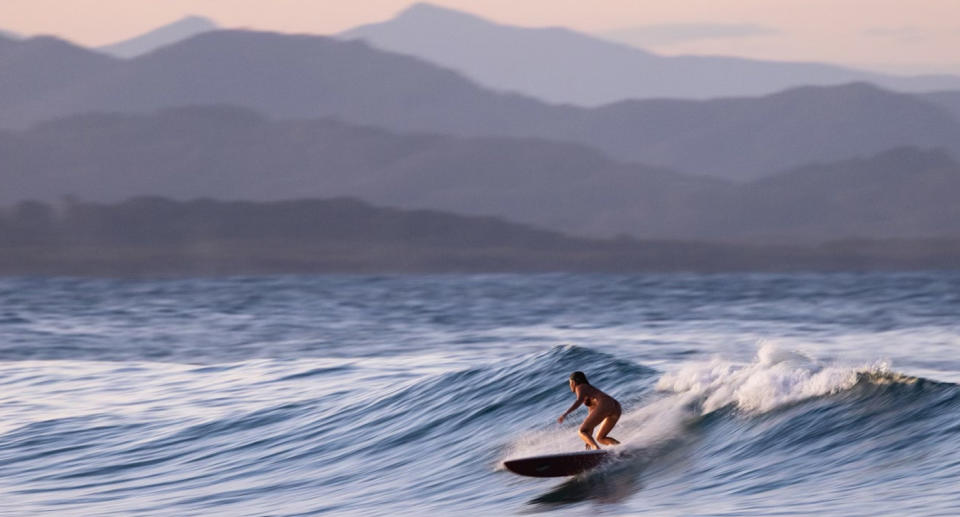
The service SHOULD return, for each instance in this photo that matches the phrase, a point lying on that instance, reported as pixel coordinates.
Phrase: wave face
(373, 396)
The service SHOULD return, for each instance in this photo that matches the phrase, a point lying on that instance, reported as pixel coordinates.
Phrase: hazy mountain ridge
(564, 66)
(33, 70)
(898, 193)
(286, 76)
(231, 153)
(309, 76)
(950, 100)
(746, 139)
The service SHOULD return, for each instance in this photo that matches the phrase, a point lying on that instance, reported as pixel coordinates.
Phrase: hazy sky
(909, 35)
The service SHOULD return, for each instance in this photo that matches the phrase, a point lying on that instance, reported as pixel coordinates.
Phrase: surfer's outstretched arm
(576, 404)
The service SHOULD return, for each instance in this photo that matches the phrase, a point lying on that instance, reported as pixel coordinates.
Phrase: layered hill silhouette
(309, 76)
(563, 66)
(232, 153)
(745, 139)
(899, 193)
(37, 69)
(950, 100)
(281, 75)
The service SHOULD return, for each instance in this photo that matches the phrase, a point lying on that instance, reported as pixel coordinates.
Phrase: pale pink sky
(909, 35)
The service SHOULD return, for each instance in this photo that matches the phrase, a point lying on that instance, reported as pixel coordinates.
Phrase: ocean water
(743, 394)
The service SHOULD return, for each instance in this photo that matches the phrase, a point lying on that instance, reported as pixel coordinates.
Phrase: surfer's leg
(586, 428)
(605, 428)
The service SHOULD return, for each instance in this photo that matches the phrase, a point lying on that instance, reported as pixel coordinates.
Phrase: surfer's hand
(560, 420)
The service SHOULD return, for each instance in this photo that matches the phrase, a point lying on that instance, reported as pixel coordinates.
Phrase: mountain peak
(427, 11)
(196, 21)
(165, 35)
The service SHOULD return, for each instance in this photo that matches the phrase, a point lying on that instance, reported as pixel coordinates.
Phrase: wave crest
(775, 378)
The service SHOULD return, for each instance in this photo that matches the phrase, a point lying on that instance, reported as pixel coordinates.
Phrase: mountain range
(266, 117)
(311, 76)
(563, 66)
(232, 153)
(560, 65)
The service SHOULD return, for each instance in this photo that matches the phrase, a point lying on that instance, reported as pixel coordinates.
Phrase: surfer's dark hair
(579, 378)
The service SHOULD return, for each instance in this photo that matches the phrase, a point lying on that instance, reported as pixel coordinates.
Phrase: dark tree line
(155, 235)
(163, 222)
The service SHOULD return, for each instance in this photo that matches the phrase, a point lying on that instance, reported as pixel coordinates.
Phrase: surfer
(604, 410)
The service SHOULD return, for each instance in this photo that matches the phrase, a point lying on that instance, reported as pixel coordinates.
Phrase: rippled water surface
(358, 395)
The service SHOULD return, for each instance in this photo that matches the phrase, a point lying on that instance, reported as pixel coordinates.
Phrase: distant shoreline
(230, 259)
(157, 236)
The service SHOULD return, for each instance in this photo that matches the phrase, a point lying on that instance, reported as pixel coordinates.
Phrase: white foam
(775, 378)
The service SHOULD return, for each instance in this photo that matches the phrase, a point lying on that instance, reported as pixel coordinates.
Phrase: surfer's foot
(606, 440)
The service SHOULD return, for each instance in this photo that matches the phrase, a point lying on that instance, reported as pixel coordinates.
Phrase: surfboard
(556, 465)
